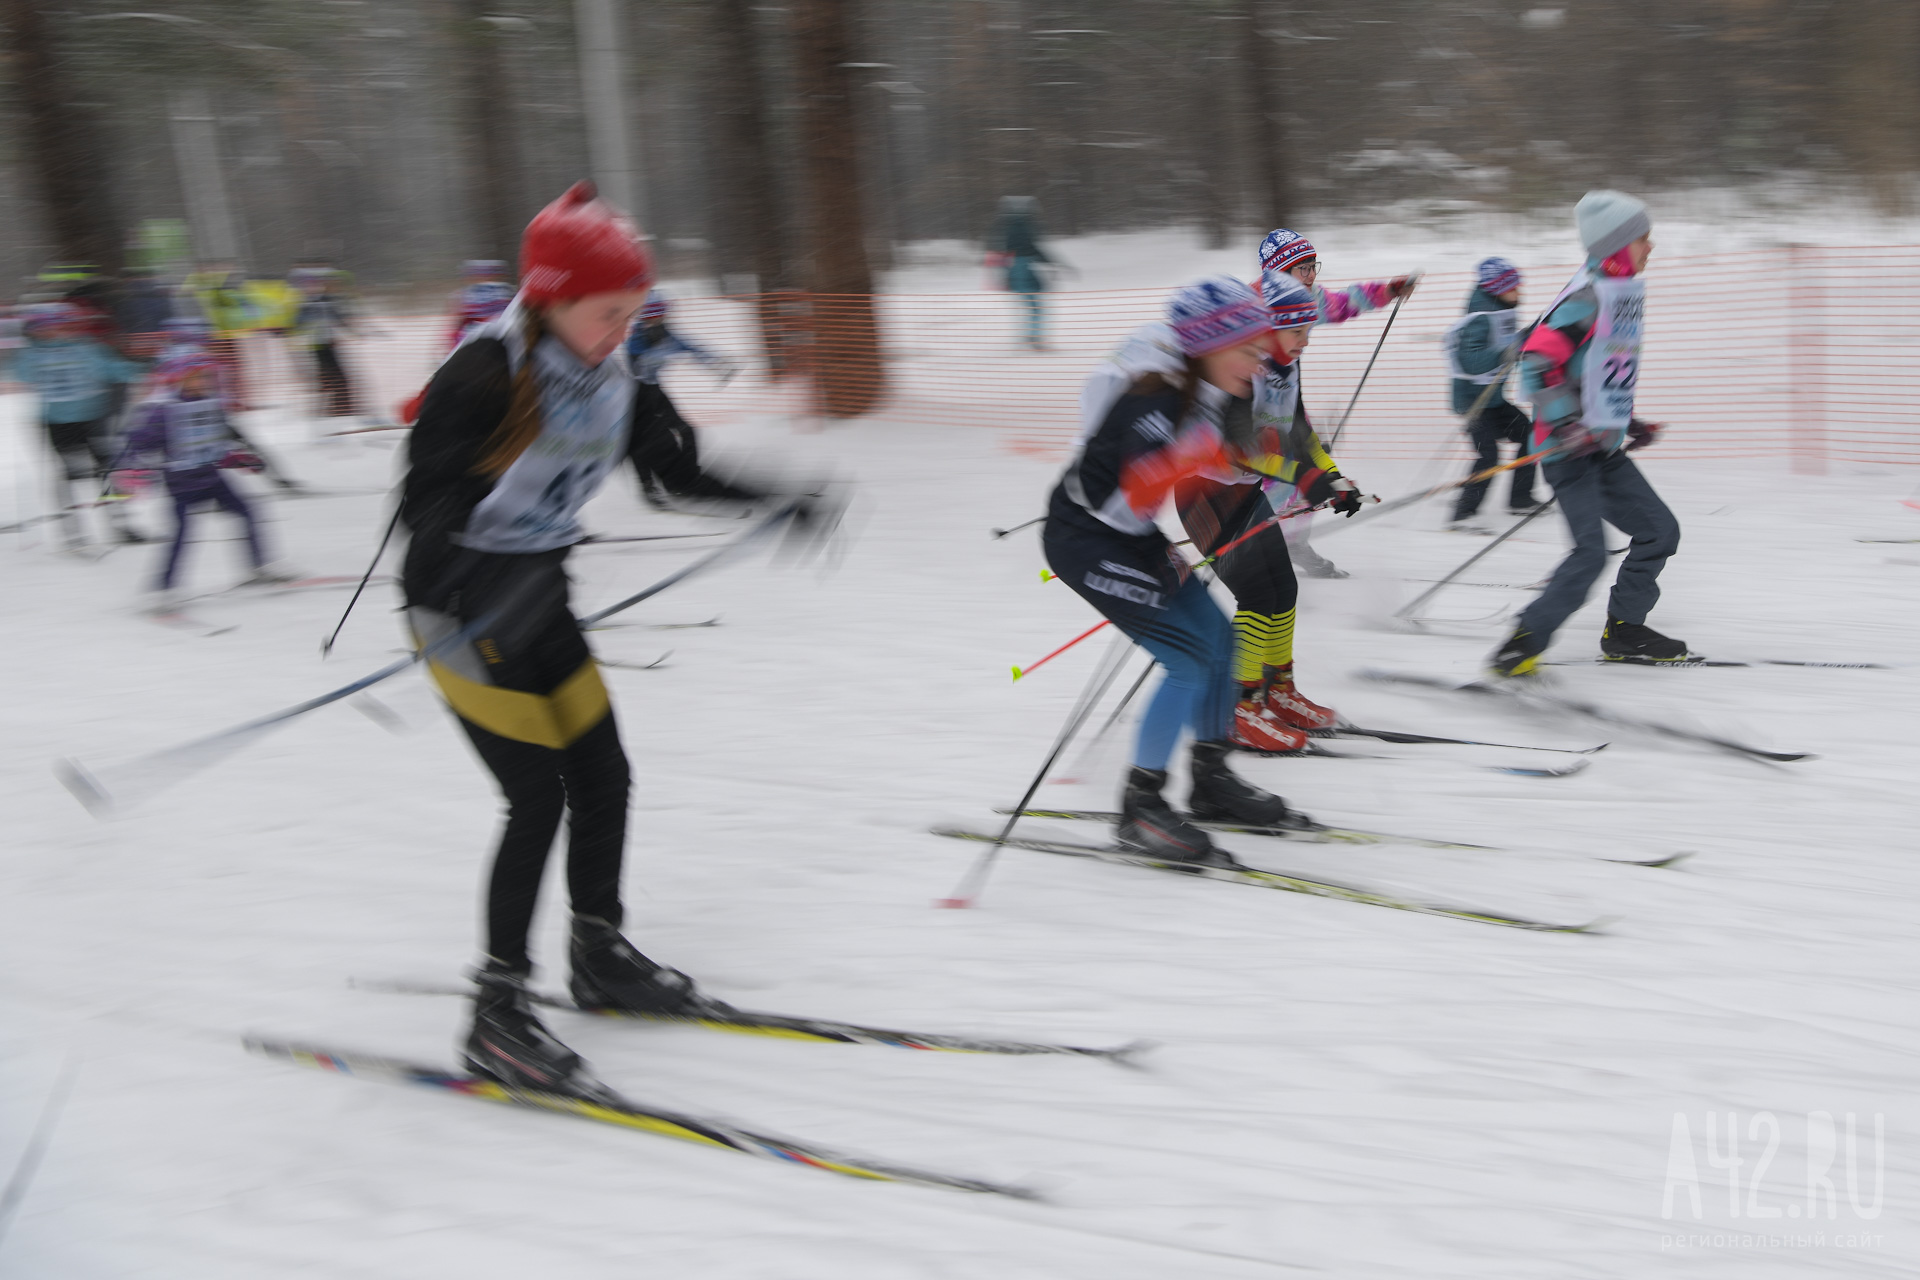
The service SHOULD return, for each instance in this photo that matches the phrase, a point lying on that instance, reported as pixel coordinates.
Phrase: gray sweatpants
(1591, 490)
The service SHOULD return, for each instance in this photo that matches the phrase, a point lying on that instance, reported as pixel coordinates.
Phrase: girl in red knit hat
(517, 430)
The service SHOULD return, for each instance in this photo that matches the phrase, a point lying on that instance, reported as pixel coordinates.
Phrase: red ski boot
(1256, 728)
(1286, 705)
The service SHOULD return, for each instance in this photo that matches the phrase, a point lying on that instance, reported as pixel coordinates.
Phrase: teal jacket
(74, 379)
(1477, 353)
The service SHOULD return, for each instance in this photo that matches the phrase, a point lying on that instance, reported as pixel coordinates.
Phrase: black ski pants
(529, 697)
(1498, 423)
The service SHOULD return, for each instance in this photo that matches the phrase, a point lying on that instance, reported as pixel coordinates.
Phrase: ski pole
(326, 646)
(1001, 533)
(37, 1142)
(1100, 734)
(169, 765)
(1385, 330)
(1472, 560)
(1021, 671)
(967, 892)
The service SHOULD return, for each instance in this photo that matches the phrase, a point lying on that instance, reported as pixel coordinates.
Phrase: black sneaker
(1220, 795)
(608, 973)
(1519, 656)
(508, 1043)
(1637, 642)
(1150, 827)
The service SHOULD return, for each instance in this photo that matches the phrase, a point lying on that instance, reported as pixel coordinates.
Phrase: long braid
(521, 425)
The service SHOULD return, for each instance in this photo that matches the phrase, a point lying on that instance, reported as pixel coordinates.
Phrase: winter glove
(1402, 286)
(242, 460)
(1641, 434)
(1572, 439)
(1346, 497)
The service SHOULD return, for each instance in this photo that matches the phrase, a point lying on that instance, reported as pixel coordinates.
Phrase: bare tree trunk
(487, 123)
(851, 378)
(749, 236)
(1270, 182)
(65, 156)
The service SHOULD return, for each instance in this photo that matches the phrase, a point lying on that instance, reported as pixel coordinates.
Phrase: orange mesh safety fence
(1806, 354)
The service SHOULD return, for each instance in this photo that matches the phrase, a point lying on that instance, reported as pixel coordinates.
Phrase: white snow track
(1338, 1089)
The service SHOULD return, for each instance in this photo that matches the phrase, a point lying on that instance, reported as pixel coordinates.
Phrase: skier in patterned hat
(1481, 347)
(1288, 253)
(1102, 540)
(1283, 467)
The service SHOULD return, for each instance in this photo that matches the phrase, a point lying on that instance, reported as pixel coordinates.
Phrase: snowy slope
(1339, 1088)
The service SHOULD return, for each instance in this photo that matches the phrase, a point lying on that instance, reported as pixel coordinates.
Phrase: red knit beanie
(579, 245)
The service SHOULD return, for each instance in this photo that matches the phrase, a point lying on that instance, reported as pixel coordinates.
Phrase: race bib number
(1613, 356)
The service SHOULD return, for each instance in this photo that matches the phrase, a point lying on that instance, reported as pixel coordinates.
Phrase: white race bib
(1504, 324)
(583, 437)
(196, 434)
(1613, 356)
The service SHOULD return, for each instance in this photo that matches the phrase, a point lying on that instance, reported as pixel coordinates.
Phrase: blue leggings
(1193, 640)
(1180, 626)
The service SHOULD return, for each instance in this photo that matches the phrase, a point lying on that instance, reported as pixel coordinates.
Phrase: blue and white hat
(1290, 304)
(1496, 275)
(1214, 314)
(1284, 249)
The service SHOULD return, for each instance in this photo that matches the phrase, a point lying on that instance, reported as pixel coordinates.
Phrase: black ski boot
(1219, 795)
(608, 973)
(1150, 827)
(508, 1042)
(1519, 656)
(1637, 642)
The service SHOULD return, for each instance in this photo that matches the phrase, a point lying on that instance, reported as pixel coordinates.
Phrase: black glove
(1331, 489)
(1346, 497)
(1641, 434)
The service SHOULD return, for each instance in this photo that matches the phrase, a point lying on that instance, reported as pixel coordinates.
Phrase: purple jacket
(186, 439)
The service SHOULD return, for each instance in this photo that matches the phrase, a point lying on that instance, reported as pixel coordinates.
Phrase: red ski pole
(1021, 671)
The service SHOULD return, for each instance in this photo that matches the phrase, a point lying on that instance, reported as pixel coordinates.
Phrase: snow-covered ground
(1338, 1088)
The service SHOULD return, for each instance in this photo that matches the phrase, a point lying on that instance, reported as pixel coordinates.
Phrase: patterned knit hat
(1283, 250)
(1214, 314)
(173, 372)
(1290, 304)
(1497, 275)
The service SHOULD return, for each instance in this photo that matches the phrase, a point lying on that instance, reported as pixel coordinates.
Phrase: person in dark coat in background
(1016, 249)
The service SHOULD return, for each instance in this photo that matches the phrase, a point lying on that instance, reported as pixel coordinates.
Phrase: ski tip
(84, 786)
(953, 904)
(1129, 1055)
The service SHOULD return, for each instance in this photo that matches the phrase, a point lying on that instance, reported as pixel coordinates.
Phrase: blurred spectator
(75, 375)
(220, 294)
(323, 319)
(1015, 246)
(143, 311)
(485, 295)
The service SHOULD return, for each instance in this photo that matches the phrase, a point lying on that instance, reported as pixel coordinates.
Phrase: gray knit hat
(1609, 221)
